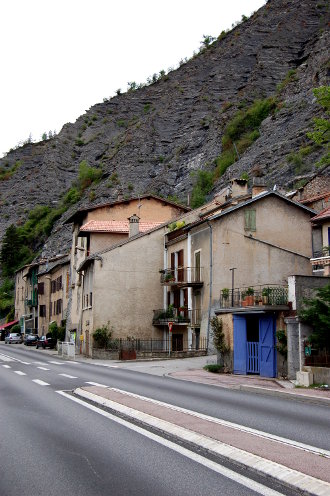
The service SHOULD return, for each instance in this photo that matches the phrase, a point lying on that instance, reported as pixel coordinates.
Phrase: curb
(303, 398)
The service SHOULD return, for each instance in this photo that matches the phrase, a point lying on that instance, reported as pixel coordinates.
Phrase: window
(58, 307)
(250, 220)
(197, 266)
(41, 288)
(50, 310)
(90, 299)
(59, 283)
(42, 310)
(53, 286)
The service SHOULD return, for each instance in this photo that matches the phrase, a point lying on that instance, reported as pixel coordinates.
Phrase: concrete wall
(101, 241)
(301, 287)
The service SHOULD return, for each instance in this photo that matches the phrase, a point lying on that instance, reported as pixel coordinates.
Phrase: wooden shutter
(250, 220)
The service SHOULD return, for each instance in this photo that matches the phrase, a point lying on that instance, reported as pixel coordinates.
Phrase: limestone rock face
(150, 140)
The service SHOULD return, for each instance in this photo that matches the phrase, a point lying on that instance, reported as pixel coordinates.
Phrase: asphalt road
(50, 445)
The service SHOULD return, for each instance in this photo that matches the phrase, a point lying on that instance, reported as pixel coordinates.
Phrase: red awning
(4, 326)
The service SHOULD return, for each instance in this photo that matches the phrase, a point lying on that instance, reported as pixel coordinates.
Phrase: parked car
(13, 337)
(30, 339)
(45, 342)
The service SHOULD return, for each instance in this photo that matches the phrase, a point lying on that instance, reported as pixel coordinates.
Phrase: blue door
(240, 360)
(267, 346)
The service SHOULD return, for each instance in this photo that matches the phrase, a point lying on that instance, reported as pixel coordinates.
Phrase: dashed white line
(69, 376)
(19, 372)
(96, 384)
(7, 366)
(42, 368)
(41, 383)
(25, 363)
(57, 363)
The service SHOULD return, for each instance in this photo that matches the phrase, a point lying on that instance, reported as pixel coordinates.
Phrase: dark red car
(45, 342)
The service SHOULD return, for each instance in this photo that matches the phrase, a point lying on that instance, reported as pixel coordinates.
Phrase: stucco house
(242, 246)
(103, 226)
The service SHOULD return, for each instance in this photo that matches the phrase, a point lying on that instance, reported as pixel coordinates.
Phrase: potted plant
(265, 295)
(249, 298)
(225, 296)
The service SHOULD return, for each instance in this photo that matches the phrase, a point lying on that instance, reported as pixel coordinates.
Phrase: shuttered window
(41, 288)
(250, 220)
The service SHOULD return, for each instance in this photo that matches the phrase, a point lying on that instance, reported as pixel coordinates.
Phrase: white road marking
(225, 423)
(25, 363)
(41, 383)
(230, 474)
(6, 358)
(42, 368)
(96, 384)
(7, 366)
(57, 363)
(69, 376)
(18, 372)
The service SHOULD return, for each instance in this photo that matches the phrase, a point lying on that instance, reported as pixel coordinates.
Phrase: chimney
(258, 186)
(239, 187)
(133, 225)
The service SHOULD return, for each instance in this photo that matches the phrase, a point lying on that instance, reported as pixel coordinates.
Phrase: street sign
(170, 325)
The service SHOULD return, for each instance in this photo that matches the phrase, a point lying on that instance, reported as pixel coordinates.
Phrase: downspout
(211, 281)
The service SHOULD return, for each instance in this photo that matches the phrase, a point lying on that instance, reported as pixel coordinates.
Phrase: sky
(59, 58)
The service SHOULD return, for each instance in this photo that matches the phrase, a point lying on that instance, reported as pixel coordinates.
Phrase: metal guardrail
(182, 275)
(270, 294)
(176, 343)
(179, 315)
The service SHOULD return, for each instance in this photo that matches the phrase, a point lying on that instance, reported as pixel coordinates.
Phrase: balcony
(269, 295)
(321, 259)
(178, 316)
(182, 277)
(31, 303)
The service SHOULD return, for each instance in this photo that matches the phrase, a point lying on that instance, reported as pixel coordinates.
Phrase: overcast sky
(58, 58)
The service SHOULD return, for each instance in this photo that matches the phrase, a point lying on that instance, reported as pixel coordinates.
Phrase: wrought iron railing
(269, 294)
(181, 275)
(171, 343)
(179, 315)
(325, 252)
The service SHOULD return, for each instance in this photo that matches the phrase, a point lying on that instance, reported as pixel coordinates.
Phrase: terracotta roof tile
(324, 214)
(116, 226)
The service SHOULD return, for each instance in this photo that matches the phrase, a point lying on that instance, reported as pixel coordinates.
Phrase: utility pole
(232, 285)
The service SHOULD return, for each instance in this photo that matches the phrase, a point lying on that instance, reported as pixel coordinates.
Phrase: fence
(254, 295)
(157, 346)
(66, 349)
(318, 358)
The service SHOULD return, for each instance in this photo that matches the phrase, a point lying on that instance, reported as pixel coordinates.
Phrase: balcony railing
(163, 316)
(158, 346)
(261, 295)
(182, 276)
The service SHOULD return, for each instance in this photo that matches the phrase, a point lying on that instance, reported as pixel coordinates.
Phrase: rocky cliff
(151, 139)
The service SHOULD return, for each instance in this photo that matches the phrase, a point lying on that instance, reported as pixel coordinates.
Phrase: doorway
(254, 345)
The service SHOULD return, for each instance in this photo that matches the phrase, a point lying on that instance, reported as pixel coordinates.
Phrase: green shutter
(250, 220)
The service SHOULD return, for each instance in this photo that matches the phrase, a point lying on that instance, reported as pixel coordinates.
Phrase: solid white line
(18, 372)
(225, 423)
(96, 384)
(229, 474)
(69, 376)
(41, 383)
(42, 368)
(277, 471)
(7, 366)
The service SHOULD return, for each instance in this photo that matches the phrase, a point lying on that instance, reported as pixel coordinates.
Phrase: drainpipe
(211, 281)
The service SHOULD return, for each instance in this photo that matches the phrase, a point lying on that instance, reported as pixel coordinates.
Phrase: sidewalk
(191, 369)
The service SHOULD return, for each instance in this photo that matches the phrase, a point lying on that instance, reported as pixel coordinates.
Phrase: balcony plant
(225, 296)
(249, 297)
(266, 292)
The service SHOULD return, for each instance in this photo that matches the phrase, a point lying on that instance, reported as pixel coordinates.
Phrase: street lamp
(232, 285)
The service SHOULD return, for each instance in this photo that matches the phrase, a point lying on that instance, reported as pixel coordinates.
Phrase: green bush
(102, 335)
(214, 367)
(202, 186)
